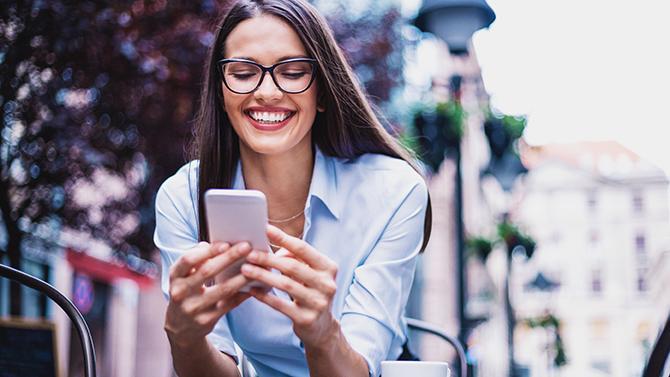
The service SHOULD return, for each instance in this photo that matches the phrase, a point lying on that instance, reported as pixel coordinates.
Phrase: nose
(268, 91)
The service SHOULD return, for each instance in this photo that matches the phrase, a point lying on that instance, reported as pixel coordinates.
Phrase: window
(594, 237)
(592, 201)
(641, 247)
(642, 284)
(596, 281)
(638, 202)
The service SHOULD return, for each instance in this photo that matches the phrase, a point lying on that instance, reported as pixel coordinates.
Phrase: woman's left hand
(307, 276)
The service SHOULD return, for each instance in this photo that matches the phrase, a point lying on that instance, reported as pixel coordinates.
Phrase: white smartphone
(235, 216)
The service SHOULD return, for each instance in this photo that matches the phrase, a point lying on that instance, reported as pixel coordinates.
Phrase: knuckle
(292, 268)
(224, 290)
(206, 270)
(286, 285)
(173, 271)
(330, 288)
(332, 268)
(202, 321)
(177, 293)
(188, 260)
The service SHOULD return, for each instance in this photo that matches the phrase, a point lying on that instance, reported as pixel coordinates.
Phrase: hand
(307, 276)
(194, 309)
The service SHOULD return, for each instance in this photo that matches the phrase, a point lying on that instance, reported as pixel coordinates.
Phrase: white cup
(393, 368)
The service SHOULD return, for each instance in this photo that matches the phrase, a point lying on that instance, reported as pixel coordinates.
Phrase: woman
(281, 113)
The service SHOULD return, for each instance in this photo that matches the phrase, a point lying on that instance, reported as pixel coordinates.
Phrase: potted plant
(514, 237)
(549, 322)
(479, 247)
(439, 129)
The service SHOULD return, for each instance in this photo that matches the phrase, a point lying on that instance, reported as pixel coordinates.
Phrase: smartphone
(235, 216)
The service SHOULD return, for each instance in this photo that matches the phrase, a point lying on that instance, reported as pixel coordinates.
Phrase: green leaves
(514, 238)
(439, 129)
(549, 322)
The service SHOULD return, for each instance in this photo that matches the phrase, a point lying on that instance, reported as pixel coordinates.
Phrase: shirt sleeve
(372, 318)
(176, 232)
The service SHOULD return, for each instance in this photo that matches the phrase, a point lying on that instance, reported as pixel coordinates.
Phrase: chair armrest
(424, 326)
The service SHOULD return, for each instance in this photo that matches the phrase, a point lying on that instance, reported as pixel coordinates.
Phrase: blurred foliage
(513, 237)
(96, 101)
(502, 131)
(479, 247)
(373, 45)
(549, 322)
(438, 129)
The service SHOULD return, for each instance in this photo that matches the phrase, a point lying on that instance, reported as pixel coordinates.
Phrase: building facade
(599, 214)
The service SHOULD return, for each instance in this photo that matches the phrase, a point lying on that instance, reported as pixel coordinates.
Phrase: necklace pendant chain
(280, 221)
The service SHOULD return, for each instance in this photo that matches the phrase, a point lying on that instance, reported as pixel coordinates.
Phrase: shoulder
(383, 169)
(181, 187)
(387, 179)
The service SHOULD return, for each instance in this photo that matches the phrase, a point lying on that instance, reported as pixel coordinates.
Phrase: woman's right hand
(194, 308)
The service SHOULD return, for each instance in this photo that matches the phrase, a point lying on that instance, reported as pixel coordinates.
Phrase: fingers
(208, 318)
(296, 270)
(288, 308)
(222, 292)
(301, 249)
(183, 266)
(286, 284)
(213, 266)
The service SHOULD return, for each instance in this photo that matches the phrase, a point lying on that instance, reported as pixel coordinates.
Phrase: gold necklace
(280, 221)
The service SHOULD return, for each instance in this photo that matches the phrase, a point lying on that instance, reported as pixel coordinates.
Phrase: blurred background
(540, 125)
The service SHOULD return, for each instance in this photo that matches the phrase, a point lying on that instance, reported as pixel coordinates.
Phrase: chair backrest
(423, 326)
(68, 307)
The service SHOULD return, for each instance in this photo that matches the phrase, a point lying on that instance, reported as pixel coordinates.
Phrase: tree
(91, 95)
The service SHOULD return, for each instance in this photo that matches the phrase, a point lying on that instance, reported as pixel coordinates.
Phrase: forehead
(265, 39)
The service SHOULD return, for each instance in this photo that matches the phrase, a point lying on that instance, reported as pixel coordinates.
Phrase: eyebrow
(285, 57)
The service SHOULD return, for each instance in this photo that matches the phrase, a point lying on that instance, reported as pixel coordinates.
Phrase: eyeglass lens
(290, 76)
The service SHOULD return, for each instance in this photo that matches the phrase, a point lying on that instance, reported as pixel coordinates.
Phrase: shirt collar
(323, 185)
(324, 182)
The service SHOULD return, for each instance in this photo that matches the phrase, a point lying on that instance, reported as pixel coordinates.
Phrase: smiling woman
(281, 113)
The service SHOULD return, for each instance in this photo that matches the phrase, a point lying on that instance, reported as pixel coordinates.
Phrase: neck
(283, 178)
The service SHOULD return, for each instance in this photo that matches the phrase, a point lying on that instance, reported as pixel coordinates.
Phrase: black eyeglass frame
(264, 69)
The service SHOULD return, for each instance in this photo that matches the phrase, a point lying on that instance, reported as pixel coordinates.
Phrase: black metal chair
(658, 359)
(68, 307)
(423, 326)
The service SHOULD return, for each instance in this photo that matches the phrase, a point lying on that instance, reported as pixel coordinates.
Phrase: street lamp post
(454, 21)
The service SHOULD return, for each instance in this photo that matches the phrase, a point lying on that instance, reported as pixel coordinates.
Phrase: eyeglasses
(245, 76)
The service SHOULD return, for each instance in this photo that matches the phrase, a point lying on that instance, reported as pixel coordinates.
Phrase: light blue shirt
(367, 215)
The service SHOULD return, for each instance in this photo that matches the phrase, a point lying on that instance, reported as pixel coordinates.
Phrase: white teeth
(268, 117)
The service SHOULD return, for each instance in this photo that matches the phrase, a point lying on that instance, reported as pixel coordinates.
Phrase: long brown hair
(348, 128)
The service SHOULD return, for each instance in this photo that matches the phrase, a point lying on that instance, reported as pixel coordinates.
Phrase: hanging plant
(551, 323)
(439, 129)
(502, 132)
(479, 247)
(513, 238)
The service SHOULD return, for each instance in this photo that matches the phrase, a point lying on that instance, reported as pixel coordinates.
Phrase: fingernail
(253, 255)
(245, 246)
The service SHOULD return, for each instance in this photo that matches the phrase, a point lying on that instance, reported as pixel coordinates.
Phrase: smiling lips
(269, 119)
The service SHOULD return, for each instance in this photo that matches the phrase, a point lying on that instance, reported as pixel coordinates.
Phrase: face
(267, 120)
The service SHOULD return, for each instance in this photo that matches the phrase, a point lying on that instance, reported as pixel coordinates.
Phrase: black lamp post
(454, 21)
